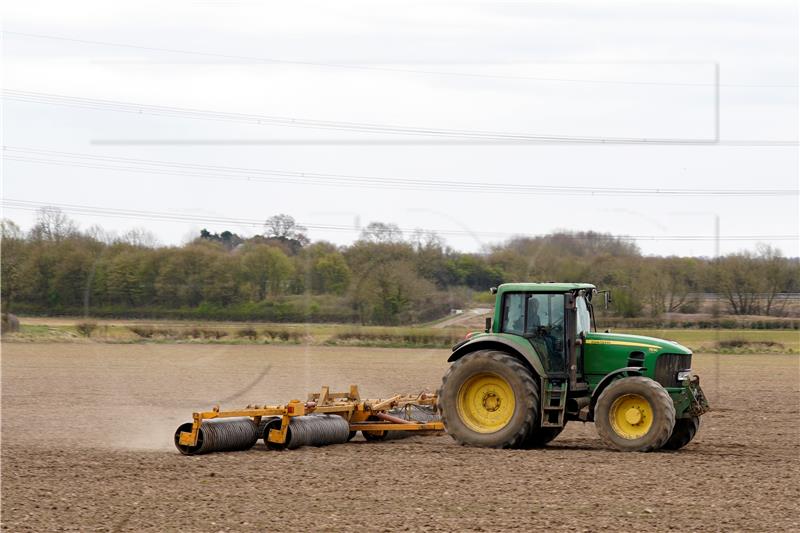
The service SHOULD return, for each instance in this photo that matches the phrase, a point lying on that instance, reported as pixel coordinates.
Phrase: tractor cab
(554, 318)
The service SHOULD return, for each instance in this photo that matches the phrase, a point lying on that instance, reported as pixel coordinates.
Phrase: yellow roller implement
(372, 416)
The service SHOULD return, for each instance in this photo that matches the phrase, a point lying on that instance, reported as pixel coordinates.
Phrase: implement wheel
(683, 433)
(635, 414)
(376, 435)
(489, 399)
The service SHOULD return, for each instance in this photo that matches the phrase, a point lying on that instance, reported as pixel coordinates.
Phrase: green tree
(392, 293)
(266, 269)
(331, 274)
(187, 274)
(13, 257)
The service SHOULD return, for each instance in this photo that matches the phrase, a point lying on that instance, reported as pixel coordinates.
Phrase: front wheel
(489, 398)
(635, 414)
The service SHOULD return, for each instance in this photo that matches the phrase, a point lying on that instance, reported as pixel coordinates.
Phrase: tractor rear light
(469, 335)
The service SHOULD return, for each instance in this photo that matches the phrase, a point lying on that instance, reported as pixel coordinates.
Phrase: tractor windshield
(540, 318)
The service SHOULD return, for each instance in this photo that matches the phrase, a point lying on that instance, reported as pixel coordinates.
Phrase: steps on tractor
(554, 402)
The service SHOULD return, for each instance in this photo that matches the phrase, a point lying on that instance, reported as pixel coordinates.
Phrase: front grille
(668, 365)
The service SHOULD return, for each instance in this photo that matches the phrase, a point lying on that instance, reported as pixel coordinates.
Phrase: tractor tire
(489, 399)
(635, 414)
(539, 437)
(683, 433)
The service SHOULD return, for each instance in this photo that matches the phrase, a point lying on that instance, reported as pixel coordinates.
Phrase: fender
(608, 378)
(522, 350)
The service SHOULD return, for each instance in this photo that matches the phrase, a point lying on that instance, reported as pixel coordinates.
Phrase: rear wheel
(635, 414)
(489, 398)
(683, 433)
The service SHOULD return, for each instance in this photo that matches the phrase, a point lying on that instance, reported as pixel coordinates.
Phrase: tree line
(383, 277)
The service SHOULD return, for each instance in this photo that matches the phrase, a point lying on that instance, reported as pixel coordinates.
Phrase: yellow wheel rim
(631, 416)
(486, 403)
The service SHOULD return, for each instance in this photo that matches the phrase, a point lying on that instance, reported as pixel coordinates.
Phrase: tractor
(541, 363)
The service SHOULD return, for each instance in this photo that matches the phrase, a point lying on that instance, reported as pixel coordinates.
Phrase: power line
(361, 127)
(461, 135)
(417, 141)
(172, 168)
(26, 205)
(318, 64)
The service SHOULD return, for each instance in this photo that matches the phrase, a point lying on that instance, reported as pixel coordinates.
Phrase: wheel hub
(491, 402)
(634, 416)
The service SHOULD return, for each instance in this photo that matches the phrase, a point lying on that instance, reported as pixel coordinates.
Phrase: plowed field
(87, 446)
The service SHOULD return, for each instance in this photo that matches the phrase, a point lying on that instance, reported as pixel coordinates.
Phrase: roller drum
(223, 435)
(418, 413)
(310, 430)
(412, 413)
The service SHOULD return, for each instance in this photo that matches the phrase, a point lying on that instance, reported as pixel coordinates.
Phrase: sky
(477, 120)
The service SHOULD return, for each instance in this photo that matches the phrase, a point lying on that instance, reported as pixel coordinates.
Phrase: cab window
(540, 318)
(584, 322)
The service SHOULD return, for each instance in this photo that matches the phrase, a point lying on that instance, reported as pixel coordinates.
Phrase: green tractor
(541, 363)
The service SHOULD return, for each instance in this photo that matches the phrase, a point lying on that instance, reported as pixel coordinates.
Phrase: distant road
(468, 317)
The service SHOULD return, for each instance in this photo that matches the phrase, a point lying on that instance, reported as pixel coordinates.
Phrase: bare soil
(87, 446)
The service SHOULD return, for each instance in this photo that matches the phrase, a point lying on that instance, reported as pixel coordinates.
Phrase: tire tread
(531, 391)
(664, 425)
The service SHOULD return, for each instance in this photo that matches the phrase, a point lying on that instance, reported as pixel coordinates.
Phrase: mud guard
(527, 355)
(606, 381)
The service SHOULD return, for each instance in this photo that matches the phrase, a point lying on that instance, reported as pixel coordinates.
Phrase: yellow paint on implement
(348, 405)
(631, 416)
(486, 403)
(623, 343)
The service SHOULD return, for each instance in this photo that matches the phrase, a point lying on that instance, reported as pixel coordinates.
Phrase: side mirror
(488, 324)
(607, 298)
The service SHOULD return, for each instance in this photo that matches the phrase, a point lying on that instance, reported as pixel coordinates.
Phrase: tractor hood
(646, 344)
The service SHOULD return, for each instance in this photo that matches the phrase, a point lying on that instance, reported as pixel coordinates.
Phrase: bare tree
(382, 233)
(100, 234)
(777, 276)
(284, 227)
(139, 237)
(740, 282)
(53, 225)
(426, 239)
(9, 229)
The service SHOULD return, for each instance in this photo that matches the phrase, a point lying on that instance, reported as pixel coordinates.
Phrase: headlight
(684, 375)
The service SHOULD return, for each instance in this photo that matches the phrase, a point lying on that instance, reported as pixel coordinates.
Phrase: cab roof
(544, 287)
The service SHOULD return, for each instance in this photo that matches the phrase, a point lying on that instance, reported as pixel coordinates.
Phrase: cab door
(540, 318)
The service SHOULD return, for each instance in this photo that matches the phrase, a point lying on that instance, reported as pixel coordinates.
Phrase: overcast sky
(606, 72)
